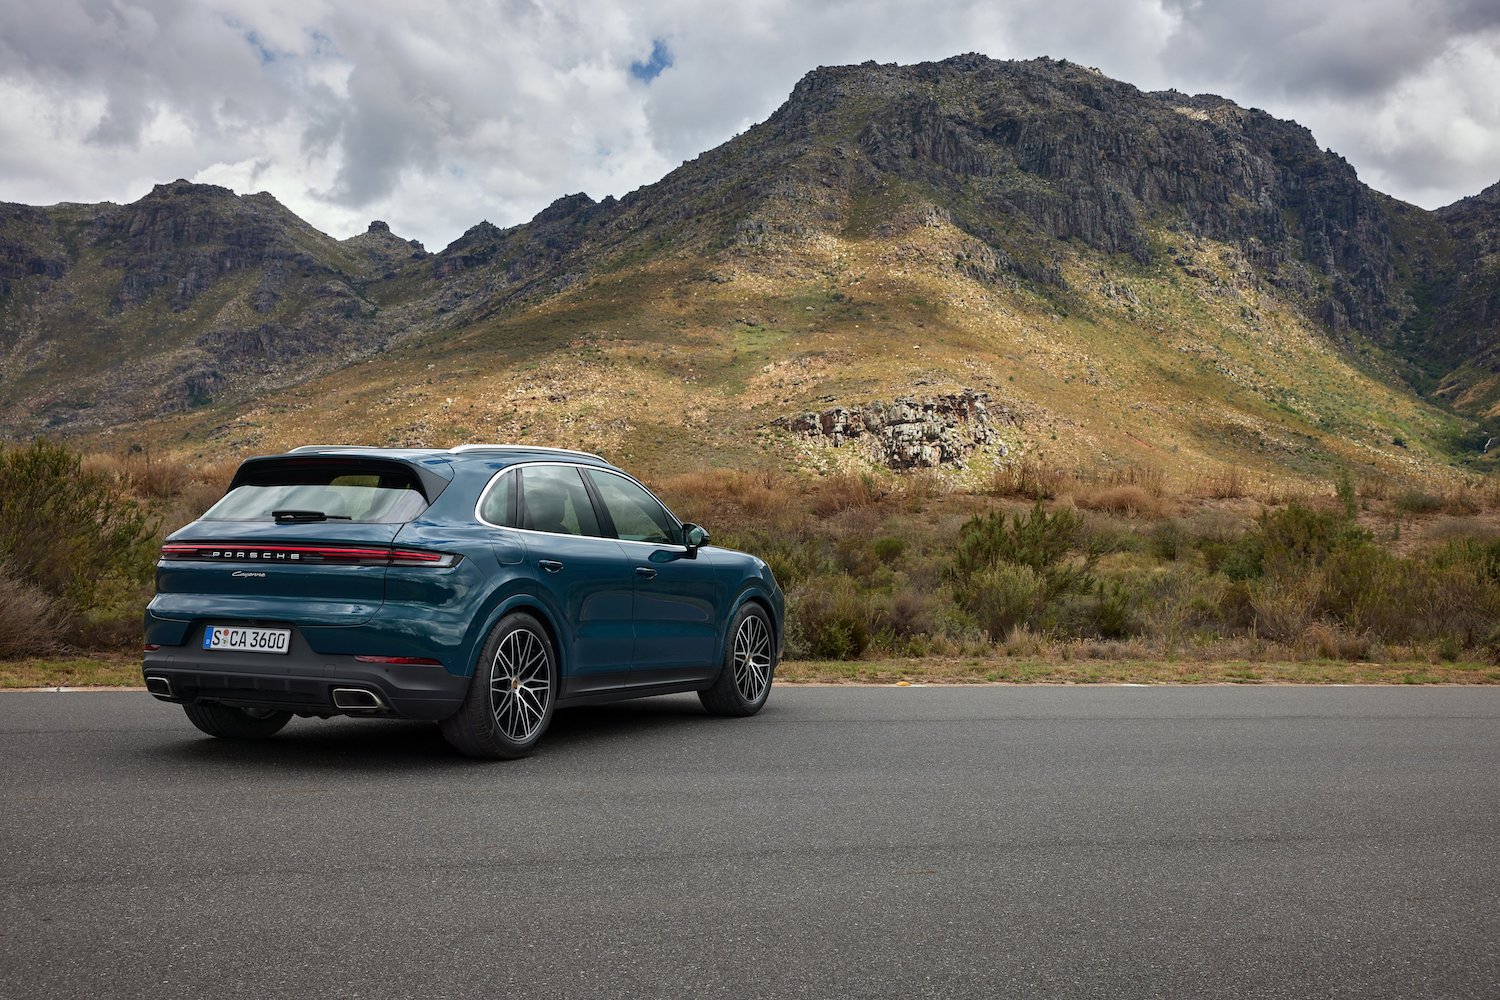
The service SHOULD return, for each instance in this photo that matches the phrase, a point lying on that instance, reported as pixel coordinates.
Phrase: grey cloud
(1349, 48)
(433, 116)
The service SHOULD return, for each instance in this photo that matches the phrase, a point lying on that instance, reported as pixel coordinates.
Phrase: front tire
(512, 695)
(230, 723)
(749, 663)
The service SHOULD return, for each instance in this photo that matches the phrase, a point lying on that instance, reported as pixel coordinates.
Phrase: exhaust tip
(358, 700)
(159, 686)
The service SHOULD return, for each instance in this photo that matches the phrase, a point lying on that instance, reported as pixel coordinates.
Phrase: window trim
(601, 513)
(672, 518)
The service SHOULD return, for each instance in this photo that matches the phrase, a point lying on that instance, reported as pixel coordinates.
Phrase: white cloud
(437, 115)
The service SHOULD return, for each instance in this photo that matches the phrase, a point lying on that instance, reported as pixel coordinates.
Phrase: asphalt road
(848, 842)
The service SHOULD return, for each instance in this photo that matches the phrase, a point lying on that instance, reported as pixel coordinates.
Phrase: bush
(72, 535)
(889, 549)
(1006, 572)
(1364, 588)
(1003, 597)
(1288, 542)
(1284, 606)
(828, 619)
(1168, 541)
(1418, 502)
(27, 622)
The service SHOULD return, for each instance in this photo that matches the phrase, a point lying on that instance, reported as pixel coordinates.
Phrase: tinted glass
(553, 499)
(344, 492)
(638, 516)
(499, 506)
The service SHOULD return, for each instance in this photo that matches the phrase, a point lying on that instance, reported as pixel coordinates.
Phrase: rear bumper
(300, 681)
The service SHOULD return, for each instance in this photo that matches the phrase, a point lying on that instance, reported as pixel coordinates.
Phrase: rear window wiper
(286, 516)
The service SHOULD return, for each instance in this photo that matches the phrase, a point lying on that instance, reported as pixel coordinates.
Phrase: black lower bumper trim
(412, 692)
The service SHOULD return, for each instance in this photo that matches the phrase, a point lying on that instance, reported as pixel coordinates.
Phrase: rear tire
(511, 696)
(230, 723)
(749, 663)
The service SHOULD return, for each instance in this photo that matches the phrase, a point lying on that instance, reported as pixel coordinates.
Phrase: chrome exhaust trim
(358, 700)
(159, 686)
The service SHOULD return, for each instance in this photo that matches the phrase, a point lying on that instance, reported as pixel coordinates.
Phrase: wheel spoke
(520, 685)
(752, 658)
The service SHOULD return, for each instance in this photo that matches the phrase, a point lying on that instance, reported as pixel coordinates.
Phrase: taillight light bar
(344, 555)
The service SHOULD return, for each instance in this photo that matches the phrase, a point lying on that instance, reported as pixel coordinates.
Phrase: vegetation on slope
(1033, 563)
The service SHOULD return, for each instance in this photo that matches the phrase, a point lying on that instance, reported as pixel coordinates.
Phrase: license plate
(247, 640)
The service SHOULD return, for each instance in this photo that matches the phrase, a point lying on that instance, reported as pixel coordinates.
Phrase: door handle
(645, 571)
(550, 565)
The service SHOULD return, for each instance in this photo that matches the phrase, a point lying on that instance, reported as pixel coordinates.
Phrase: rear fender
(501, 605)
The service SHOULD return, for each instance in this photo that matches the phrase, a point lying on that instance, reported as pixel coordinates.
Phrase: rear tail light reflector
(413, 661)
(347, 555)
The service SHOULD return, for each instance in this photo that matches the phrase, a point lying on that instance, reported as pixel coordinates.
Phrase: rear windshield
(384, 493)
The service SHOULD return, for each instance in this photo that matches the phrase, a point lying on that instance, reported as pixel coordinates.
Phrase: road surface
(848, 842)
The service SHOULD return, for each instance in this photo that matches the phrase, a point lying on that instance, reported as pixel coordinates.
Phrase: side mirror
(694, 537)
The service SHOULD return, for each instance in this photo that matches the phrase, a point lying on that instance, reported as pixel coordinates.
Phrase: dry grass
(844, 491)
(28, 623)
(1089, 670)
(1084, 663)
(98, 670)
(1229, 484)
(1127, 499)
(704, 496)
(1027, 480)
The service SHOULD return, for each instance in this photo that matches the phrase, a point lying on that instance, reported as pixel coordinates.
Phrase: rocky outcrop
(909, 433)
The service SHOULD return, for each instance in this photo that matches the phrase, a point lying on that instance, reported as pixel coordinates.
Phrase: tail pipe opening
(159, 686)
(359, 700)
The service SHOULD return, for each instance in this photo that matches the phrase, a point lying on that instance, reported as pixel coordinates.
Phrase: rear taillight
(323, 555)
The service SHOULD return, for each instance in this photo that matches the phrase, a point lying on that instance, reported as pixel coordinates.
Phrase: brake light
(346, 555)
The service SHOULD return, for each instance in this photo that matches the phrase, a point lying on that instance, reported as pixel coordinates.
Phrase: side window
(499, 505)
(638, 516)
(553, 499)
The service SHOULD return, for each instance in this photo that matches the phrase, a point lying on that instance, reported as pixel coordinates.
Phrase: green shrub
(1115, 611)
(1366, 589)
(1343, 487)
(1284, 605)
(1003, 596)
(1288, 542)
(1418, 502)
(1037, 540)
(1168, 540)
(72, 535)
(889, 549)
(828, 618)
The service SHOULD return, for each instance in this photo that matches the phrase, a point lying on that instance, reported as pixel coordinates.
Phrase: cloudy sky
(435, 114)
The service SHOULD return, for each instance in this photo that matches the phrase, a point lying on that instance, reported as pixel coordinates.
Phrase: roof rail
(320, 447)
(458, 449)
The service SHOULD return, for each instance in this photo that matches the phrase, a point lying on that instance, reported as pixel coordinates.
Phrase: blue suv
(483, 587)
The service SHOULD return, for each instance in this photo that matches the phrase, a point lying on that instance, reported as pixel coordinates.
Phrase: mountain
(1117, 276)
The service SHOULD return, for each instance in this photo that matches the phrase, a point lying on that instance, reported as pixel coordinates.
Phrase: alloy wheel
(520, 685)
(752, 658)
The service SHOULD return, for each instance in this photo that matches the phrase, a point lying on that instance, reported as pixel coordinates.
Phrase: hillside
(1118, 277)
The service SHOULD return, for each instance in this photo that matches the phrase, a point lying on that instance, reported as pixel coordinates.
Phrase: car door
(679, 596)
(582, 577)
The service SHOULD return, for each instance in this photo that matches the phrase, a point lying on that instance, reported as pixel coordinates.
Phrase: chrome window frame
(580, 466)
